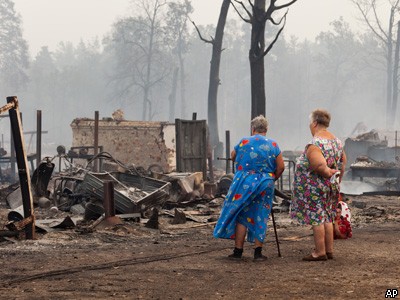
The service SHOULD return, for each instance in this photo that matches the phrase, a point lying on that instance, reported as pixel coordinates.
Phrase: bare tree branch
(276, 37)
(285, 5)
(240, 15)
(373, 4)
(274, 22)
(199, 33)
(245, 8)
(128, 41)
(364, 14)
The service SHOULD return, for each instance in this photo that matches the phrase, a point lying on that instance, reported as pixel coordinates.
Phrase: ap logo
(391, 293)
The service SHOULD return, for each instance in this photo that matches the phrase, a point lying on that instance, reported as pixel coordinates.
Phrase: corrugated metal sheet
(131, 191)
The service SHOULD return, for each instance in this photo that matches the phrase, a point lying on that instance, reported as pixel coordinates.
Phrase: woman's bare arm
(280, 166)
(344, 161)
(318, 163)
(233, 155)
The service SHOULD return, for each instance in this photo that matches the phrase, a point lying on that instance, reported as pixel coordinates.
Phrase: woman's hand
(332, 172)
(318, 162)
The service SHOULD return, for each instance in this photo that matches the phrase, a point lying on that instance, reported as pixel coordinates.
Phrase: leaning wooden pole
(38, 138)
(22, 163)
(96, 141)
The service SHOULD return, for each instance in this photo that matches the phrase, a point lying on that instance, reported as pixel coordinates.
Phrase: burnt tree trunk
(395, 76)
(256, 57)
(375, 24)
(389, 72)
(172, 96)
(182, 83)
(214, 75)
(257, 17)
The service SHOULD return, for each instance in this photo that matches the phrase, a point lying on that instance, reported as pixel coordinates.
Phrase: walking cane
(283, 196)
(276, 233)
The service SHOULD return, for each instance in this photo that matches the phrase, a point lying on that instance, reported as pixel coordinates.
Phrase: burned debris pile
(76, 196)
(373, 160)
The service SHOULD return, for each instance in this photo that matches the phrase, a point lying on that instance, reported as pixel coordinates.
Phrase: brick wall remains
(131, 142)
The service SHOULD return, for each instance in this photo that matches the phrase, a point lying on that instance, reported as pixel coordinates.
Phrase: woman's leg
(257, 243)
(258, 256)
(240, 234)
(319, 239)
(328, 237)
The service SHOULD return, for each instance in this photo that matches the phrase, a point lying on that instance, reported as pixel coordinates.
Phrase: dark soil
(184, 261)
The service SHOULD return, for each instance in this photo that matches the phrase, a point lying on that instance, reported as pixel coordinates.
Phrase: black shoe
(237, 254)
(258, 256)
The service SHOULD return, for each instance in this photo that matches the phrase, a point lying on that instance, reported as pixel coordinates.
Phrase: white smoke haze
(325, 58)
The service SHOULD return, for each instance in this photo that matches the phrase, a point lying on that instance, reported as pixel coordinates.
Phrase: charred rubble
(76, 197)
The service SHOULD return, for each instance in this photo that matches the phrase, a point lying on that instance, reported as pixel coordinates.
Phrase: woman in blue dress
(248, 202)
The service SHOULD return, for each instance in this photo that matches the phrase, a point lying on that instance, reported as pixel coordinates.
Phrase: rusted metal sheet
(50, 225)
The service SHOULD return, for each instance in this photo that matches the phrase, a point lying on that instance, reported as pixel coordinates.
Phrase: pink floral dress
(315, 198)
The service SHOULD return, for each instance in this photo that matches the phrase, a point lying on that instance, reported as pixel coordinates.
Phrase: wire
(107, 156)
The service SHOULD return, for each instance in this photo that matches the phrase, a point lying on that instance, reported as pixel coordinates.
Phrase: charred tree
(258, 16)
(366, 8)
(177, 33)
(215, 81)
(256, 59)
(172, 96)
(395, 77)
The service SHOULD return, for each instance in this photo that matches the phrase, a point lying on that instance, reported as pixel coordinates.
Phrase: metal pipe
(108, 201)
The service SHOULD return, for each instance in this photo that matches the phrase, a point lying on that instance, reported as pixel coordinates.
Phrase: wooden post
(38, 138)
(23, 170)
(96, 140)
(209, 158)
(205, 143)
(179, 148)
(108, 201)
(12, 156)
(227, 151)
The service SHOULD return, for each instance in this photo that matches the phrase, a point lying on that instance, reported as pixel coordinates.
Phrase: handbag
(342, 223)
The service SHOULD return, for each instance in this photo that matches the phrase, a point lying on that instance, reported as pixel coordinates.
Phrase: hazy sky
(48, 22)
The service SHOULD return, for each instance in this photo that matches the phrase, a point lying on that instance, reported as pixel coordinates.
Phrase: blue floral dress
(250, 195)
(315, 197)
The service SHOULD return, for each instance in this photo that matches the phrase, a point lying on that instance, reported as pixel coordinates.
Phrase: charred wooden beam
(23, 170)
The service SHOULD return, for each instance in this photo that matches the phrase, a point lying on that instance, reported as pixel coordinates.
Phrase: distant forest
(153, 66)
